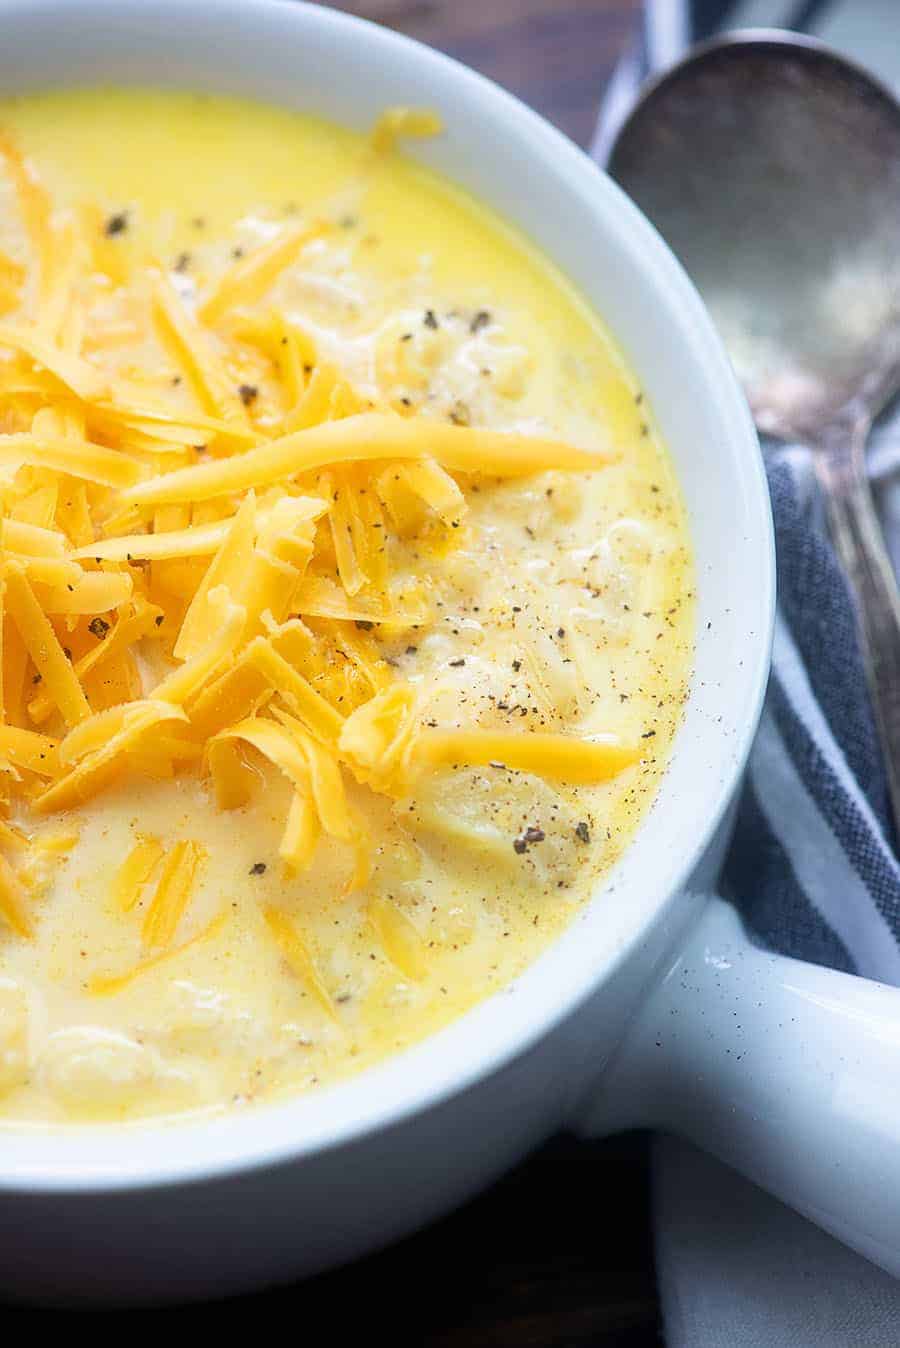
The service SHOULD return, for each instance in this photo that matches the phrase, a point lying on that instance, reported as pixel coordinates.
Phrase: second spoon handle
(858, 538)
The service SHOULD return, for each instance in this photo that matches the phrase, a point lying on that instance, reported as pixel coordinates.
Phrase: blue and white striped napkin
(812, 868)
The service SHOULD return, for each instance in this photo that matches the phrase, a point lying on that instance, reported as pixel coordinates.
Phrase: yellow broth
(562, 601)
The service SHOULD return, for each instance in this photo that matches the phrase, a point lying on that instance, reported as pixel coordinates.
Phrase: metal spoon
(771, 166)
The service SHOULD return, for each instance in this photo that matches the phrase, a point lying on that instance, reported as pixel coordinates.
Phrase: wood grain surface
(555, 54)
(558, 1254)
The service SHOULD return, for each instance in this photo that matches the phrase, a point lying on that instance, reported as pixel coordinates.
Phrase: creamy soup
(347, 602)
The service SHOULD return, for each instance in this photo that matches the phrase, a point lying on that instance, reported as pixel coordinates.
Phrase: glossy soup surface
(558, 601)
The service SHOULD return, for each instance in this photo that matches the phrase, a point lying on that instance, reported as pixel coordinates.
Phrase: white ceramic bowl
(588, 1036)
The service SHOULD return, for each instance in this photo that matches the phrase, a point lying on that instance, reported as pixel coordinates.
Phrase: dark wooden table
(555, 54)
(558, 1254)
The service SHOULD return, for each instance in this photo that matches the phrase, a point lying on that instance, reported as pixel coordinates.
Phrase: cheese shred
(297, 957)
(172, 894)
(135, 871)
(208, 580)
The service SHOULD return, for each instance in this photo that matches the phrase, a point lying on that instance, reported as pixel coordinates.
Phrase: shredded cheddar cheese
(172, 894)
(43, 645)
(27, 749)
(395, 123)
(402, 943)
(249, 278)
(196, 588)
(13, 901)
(135, 871)
(293, 948)
(559, 757)
(363, 438)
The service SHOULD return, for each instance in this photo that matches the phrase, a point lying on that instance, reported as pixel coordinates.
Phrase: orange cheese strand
(249, 278)
(97, 767)
(345, 535)
(200, 540)
(312, 771)
(172, 894)
(181, 486)
(32, 540)
(297, 957)
(12, 274)
(561, 758)
(367, 436)
(129, 413)
(43, 646)
(428, 480)
(228, 623)
(318, 597)
(34, 203)
(27, 749)
(197, 540)
(12, 838)
(301, 834)
(13, 904)
(130, 627)
(225, 577)
(309, 705)
(135, 871)
(78, 375)
(194, 349)
(93, 592)
(397, 122)
(378, 738)
(232, 696)
(402, 943)
(78, 458)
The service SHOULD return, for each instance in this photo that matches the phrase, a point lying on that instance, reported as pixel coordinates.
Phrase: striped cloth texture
(812, 867)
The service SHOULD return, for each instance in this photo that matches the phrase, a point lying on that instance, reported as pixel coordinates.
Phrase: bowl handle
(786, 1071)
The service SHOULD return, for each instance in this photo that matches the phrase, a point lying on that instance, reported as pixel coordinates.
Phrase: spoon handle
(858, 538)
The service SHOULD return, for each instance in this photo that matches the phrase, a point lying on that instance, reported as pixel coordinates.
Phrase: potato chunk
(88, 1068)
(515, 820)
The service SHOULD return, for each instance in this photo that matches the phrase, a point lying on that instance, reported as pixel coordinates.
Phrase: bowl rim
(501, 1029)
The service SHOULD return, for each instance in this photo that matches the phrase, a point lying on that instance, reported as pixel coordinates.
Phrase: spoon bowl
(771, 166)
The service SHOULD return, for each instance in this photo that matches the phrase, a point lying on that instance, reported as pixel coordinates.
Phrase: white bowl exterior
(312, 59)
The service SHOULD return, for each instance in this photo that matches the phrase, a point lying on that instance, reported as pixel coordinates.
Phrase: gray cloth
(739, 1270)
(735, 1267)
